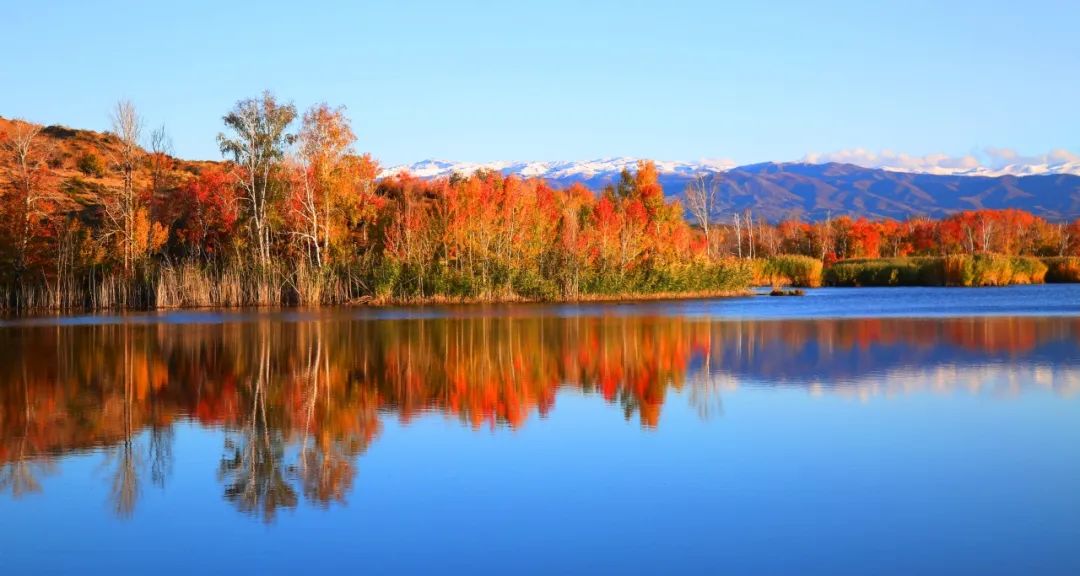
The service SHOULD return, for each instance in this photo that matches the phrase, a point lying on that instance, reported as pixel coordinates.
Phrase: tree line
(295, 215)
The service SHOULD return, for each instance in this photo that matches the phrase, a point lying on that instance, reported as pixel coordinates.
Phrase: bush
(886, 272)
(532, 286)
(385, 279)
(1062, 269)
(1027, 270)
(794, 270)
(90, 165)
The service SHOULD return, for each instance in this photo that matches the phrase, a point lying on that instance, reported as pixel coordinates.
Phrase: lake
(851, 431)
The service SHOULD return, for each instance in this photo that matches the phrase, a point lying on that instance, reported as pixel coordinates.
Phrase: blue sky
(524, 80)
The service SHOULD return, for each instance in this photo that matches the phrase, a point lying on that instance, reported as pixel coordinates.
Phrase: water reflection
(299, 402)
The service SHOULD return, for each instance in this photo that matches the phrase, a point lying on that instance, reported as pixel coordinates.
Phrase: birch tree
(737, 224)
(257, 145)
(323, 146)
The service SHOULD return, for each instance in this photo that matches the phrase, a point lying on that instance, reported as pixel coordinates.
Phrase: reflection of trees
(125, 483)
(300, 401)
(325, 468)
(252, 467)
(260, 472)
(19, 473)
(139, 378)
(21, 476)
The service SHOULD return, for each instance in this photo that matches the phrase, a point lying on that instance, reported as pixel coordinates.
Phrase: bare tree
(1064, 238)
(258, 146)
(749, 218)
(826, 235)
(987, 233)
(127, 126)
(701, 200)
(737, 223)
(160, 162)
(979, 235)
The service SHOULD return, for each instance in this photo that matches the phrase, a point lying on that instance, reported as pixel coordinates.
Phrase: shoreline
(372, 302)
(581, 299)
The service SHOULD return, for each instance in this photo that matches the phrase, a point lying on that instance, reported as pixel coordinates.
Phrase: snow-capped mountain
(813, 190)
(558, 171)
(607, 170)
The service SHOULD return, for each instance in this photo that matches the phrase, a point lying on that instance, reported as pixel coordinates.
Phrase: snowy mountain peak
(555, 170)
(605, 170)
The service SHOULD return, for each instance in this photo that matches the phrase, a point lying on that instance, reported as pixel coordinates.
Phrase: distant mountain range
(813, 191)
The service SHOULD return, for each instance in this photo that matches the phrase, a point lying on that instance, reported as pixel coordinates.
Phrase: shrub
(1062, 269)
(532, 286)
(90, 165)
(1027, 270)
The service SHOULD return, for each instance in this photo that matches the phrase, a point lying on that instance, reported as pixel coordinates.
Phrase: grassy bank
(955, 270)
(191, 285)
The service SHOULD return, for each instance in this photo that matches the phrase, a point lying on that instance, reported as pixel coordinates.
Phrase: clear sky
(575, 80)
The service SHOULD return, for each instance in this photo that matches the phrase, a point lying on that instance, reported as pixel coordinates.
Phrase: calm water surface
(884, 431)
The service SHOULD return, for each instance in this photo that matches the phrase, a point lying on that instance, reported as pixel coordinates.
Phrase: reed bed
(190, 284)
(788, 270)
(920, 271)
(953, 270)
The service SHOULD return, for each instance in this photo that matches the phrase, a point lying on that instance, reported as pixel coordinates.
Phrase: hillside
(81, 162)
(772, 190)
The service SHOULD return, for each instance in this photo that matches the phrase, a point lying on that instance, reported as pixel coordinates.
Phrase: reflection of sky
(784, 480)
(996, 380)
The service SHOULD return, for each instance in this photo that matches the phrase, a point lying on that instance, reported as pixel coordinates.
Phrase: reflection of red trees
(326, 384)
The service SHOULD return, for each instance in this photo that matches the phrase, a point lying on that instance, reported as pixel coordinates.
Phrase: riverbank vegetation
(1062, 269)
(788, 270)
(953, 270)
(295, 215)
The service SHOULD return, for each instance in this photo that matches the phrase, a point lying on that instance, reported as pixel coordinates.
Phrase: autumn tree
(205, 212)
(26, 199)
(324, 145)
